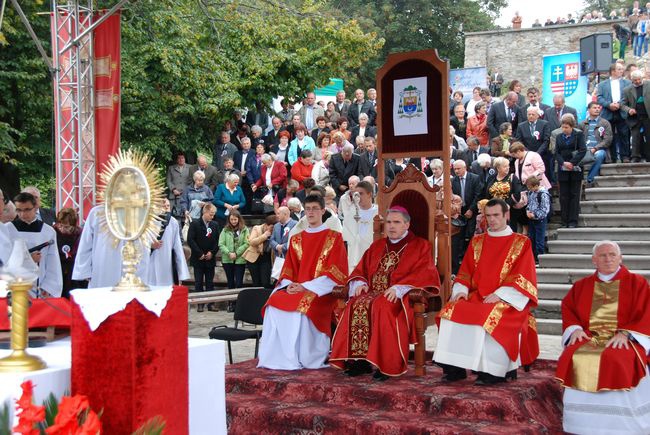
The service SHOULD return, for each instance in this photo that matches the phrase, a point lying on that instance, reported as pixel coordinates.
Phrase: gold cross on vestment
(128, 197)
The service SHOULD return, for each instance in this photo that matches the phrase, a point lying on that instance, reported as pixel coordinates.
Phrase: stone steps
(625, 169)
(548, 309)
(558, 275)
(609, 193)
(549, 326)
(583, 261)
(628, 247)
(623, 180)
(615, 206)
(608, 220)
(596, 234)
(552, 291)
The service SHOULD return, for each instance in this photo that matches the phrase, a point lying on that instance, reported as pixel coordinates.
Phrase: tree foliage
(408, 25)
(188, 63)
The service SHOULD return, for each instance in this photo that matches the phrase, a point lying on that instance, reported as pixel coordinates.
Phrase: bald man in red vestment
(606, 322)
(377, 324)
(488, 315)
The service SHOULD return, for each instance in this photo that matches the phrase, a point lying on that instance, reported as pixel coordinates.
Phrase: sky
(531, 9)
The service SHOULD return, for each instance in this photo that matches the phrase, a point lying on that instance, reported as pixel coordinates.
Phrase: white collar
(406, 233)
(504, 232)
(317, 229)
(608, 278)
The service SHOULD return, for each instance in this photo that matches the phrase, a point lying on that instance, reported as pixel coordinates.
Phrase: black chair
(248, 310)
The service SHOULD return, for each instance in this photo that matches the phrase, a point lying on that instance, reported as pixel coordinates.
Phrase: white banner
(410, 106)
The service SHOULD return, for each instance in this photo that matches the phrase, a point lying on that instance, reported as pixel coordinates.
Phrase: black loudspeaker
(596, 53)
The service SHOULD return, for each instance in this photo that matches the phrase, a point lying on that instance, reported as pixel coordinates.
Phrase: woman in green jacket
(233, 241)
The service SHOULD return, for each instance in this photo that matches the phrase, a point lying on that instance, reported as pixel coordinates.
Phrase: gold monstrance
(133, 197)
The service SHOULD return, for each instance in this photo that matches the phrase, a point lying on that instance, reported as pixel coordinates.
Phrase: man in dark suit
(610, 94)
(44, 214)
(210, 172)
(368, 162)
(359, 106)
(496, 81)
(534, 134)
(203, 240)
(258, 117)
(553, 115)
(468, 186)
(228, 168)
(504, 111)
(636, 104)
(340, 106)
(533, 101)
(473, 150)
(223, 149)
(342, 166)
(272, 138)
(239, 162)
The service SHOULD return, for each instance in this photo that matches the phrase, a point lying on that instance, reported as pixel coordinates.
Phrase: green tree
(188, 63)
(408, 25)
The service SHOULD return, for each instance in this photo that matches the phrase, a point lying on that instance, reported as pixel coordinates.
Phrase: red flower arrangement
(74, 416)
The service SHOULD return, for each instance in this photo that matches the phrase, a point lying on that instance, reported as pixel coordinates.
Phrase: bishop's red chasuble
(602, 309)
(489, 263)
(312, 255)
(372, 328)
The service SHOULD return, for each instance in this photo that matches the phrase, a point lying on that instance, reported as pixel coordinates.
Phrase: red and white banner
(107, 72)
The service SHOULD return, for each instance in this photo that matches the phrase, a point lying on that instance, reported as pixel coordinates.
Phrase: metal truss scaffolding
(72, 52)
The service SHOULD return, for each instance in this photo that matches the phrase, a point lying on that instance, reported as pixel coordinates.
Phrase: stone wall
(519, 53)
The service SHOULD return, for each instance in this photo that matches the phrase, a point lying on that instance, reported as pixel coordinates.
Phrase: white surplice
(608, 412)
(160, 263)
(98, 260)
(358, 235)
(470, 346)
(50, 276)
(290, 340)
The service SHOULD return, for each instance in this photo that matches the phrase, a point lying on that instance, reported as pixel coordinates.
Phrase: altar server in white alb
(167, 253)
(298, 315)
(42, 238)
(358, 223)
(98, 259)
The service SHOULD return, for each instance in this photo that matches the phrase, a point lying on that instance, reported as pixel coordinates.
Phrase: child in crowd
(537, 210)
(481, 223)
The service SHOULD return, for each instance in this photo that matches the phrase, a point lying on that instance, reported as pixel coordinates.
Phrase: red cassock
(373, 329)
(489, 263)
(602, 309)
(312, 255)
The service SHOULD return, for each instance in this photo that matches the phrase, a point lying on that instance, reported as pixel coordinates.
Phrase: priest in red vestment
(606, 323)
(297, 316)
(377, 324)
(488, 315)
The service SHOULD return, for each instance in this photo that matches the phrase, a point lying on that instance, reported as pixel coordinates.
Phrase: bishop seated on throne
(377, 325)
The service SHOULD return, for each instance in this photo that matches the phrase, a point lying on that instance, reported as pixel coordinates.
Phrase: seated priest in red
(488, 315)
(606, 322)
(377, 324)
(298, 315)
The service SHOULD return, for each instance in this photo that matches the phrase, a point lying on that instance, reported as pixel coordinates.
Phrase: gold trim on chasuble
(360, 315)
(305, 302)
(447, 310)
(495, 317)
(514, 252)
(603, 323)
(327, 247)
(296, 243)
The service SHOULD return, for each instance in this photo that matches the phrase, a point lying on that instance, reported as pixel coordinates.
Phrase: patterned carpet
(325, 401)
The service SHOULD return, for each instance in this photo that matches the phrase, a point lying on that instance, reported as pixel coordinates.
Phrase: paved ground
(201, 323)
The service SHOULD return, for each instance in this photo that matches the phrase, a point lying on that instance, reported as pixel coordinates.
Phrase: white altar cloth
(207, 386)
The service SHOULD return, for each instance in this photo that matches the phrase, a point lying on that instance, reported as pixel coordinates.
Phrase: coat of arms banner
(410, 106)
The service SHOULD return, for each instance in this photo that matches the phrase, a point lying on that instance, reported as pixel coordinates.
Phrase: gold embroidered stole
(360, 309)
(603, 323)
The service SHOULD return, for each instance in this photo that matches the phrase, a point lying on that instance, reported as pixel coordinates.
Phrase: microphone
(41, 246)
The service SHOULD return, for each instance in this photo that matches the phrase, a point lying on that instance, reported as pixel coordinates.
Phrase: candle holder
(21, 272)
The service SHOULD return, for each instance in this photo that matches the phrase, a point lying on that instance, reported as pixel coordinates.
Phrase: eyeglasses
(312, 209)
